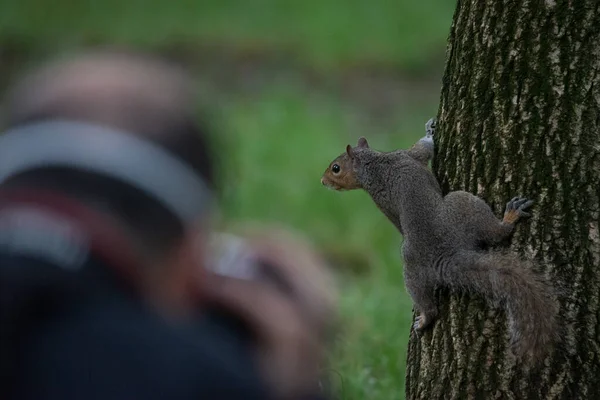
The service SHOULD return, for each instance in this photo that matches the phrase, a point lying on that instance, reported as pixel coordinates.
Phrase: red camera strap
(105, 240)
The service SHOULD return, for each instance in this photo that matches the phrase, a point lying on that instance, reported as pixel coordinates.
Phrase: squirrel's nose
(322, 181)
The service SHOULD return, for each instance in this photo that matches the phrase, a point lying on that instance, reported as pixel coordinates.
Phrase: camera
(229, 255)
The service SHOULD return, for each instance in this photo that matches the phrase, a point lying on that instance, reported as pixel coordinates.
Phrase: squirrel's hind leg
(477, 221)
(501, 229)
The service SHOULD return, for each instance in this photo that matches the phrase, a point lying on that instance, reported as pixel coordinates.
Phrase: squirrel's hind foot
(515, 209)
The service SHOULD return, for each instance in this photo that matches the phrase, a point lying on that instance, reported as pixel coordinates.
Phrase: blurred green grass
(284, 134)
(322, 34)
(285, 139)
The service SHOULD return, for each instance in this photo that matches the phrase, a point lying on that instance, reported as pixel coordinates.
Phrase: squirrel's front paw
(430, 127)
(515, 209)
(424, 320)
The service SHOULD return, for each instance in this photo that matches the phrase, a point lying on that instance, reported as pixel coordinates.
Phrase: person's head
(129, 93)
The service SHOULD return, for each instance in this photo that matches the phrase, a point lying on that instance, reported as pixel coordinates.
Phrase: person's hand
(290, 326)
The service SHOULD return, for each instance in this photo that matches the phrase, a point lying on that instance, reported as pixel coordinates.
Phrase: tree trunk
(520, 116)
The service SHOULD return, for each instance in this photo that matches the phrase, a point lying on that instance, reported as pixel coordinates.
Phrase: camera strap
(61, 231)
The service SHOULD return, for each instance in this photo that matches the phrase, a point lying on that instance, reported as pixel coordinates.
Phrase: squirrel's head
(341, 172)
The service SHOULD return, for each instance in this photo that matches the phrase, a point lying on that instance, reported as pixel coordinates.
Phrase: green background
(289, 84)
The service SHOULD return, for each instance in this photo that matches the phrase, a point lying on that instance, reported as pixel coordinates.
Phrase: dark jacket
(98, 341)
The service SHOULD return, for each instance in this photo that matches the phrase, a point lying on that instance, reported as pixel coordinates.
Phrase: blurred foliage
(320, 33)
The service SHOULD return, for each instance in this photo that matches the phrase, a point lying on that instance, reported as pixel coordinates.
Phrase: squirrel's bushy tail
(528, 298)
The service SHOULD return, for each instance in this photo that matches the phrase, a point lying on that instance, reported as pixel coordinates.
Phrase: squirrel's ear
(349, 151)
(362, 142)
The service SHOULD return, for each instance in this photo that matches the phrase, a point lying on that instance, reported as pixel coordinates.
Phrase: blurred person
(106, 195)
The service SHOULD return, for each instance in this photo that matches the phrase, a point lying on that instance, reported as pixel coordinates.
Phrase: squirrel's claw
(518, 204)
(430, 127)
(515, 209)
(429, 132)
(418, 325)
(423, 321)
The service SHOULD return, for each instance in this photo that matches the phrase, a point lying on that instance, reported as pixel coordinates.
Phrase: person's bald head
(117, 89)
(131, 92)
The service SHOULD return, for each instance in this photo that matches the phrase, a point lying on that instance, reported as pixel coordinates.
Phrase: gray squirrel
(446, 239)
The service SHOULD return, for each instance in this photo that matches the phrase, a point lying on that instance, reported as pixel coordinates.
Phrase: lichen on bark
(520, 116)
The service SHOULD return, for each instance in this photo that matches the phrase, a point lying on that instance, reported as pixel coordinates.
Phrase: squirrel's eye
(335, 168)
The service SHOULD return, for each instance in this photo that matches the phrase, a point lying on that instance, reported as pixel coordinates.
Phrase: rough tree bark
(520, 115)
